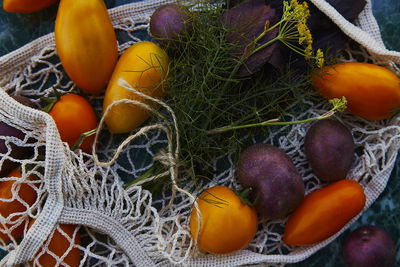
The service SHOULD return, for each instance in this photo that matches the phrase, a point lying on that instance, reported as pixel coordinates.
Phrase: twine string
(168, 158)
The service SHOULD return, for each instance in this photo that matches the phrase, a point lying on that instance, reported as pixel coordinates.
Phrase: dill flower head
(293, 11)
(320, 58)
(293, 28)
(292, 31)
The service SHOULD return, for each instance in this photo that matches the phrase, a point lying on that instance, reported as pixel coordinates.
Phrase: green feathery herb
(213, 106)
(205, 93)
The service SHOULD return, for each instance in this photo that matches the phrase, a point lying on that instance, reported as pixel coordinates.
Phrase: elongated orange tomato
(86, 43)
(144, 66)
(26, 6)
(60, 246)
(372, 91)
(15, 199)
(74, 116)
(324, 212)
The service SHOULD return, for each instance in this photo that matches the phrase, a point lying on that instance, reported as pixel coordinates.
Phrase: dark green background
(18, 29)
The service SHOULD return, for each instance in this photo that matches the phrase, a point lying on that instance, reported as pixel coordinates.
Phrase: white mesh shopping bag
(76, 202)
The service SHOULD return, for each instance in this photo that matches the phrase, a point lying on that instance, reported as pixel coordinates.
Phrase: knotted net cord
(125, 227)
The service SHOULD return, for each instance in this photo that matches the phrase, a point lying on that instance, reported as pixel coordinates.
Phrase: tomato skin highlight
(26, 6)
(227, 224)
(324, 212)
(26, 192)
(372, 91)
(86, 43)
(144, 66)
(73, 116)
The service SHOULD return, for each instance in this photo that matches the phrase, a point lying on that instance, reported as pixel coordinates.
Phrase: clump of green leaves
(205, 92)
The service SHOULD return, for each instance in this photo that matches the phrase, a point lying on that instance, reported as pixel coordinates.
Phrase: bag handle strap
(364, 38)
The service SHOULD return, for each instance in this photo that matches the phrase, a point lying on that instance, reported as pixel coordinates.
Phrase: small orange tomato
(26, 6)
(227, 224)
(86, 43)
(144, 66)
(372, 91)
(324, 212)
(10, 204)
(60, 246)
(73, 116)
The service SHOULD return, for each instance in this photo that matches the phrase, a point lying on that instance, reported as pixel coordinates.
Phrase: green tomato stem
(244, 196)
(82, 138)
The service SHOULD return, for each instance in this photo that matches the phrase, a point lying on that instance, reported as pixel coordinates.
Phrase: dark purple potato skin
(168, 23)
(329, 147)
(24, 100)
(369, 246)
(17, 152)
(276, 184)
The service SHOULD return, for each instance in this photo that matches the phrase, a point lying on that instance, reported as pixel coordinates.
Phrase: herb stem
(226, 85)
(338, 105)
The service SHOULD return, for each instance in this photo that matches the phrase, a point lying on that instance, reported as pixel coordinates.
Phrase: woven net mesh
(76, 199)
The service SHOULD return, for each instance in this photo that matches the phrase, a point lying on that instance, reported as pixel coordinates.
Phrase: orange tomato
(59, 245)
(324, 212)
(227, 224)
(26, 6)
(86, 43)
(73, 116)
(144, 66)
(9, 204)
(372, 91)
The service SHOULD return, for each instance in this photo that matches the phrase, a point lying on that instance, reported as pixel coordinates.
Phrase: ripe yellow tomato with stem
(86, 43)
(144, 66)
(227, 224)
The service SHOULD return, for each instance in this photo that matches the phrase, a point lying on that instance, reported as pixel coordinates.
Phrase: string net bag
(78, 202)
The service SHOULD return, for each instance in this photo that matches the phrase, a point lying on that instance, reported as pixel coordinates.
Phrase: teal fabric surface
(18, 29)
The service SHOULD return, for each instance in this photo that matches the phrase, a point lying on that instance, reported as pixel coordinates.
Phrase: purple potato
(369, 246)
(16, 152)
(276, 184)
(25, 101)
(329, 147)
(169, 23)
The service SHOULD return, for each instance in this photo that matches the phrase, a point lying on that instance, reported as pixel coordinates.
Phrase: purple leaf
(246, 22)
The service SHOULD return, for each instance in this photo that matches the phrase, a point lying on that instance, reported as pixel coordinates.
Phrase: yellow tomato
(144, 66)
(372, 91)
(227, 224)
(86, 43)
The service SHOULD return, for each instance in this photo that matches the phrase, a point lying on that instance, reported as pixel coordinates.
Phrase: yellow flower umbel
(293, 32)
